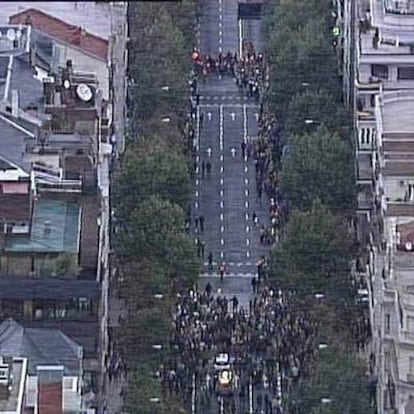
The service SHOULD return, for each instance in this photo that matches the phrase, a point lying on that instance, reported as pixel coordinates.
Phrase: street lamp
(310, 121)
(158, 296)
(166, 120)
(319, 295)
(323, 346)
(154, 400)
(326, 400)
(157, 347)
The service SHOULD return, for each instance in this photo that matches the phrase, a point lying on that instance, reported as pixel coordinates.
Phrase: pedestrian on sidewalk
(243, 148)
(210, 261)
(254, 285)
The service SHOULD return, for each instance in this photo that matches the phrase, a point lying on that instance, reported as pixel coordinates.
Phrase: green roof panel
(55, 229)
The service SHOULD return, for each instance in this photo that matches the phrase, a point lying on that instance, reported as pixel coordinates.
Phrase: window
(387, 361)
(406, 73)
(387, 323)
(379, 71)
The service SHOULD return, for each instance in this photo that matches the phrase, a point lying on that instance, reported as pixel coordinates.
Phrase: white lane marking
(222, 254)
(247, 254)
(245, 124)
(195, 204)
(233, 116)
(196, 194)
(246, 181)
(239, 275)
(222, 229)
(197, 158)
(220, 24)
(221, 127)
(221, 181)
(222, 241)
(240, 37)
(246, 169)
(221, 204)
(247, 216)
(220, 33)
(197, 169)
(220, 40)
(221, 158)
(209, 115)
(247, 229)
(221, 193)
(197, 182)
(246, 192)
(198, 129)
(220, 49)
(246, 204)
(233, 152)
(221, 169)
(256, 116)
(221, 217)
(247, 242)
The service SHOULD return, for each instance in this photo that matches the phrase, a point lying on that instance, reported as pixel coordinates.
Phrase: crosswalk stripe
(228, 275)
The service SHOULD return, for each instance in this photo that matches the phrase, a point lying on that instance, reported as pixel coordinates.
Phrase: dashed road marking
(246, 204)
(221, 181)
(246, 169)
(221, 217)
(247, 216)
(221, 193)
(221, 204)
(248, 255)
(247, 229)
(221, 169)
(247, 242)
(246, 181)
(196, 194)
(222, 254)
(222, 229)
(197, 182)
(246, 192)
(235, 275)
(221, 157)
(195, 204)
(222, 242)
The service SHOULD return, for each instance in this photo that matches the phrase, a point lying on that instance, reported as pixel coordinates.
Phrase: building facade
(383, 33)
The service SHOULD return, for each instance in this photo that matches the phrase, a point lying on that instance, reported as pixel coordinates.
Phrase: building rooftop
(392, 21)
(72, 34)
(95, 16)
(396, 113)
(400, 209)
(11, 402)
(12, 147)
(48, 289)
(55, 229)
(40, 346)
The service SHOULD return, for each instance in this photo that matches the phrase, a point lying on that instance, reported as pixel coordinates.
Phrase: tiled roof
(74, 35)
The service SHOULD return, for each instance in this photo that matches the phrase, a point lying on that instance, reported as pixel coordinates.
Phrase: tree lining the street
(318, 166)
(151, 195)
(316, 176)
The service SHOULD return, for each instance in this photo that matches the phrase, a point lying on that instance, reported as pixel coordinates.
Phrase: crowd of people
(270, 346)
(249, 70)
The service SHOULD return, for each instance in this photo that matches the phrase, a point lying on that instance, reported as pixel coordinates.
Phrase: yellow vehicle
(225, 383)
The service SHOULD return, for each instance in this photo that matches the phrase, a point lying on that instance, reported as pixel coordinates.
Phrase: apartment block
(383, 33)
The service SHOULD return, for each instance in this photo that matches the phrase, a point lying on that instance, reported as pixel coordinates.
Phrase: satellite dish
(84, 92)
(11, 35)
(66, 84)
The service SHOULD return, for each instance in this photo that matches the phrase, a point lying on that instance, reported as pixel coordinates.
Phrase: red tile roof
(74, 35)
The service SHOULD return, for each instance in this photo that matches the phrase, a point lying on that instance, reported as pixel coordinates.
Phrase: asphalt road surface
(227, 198)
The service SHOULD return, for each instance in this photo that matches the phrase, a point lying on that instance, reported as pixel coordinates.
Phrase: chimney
(15, 103)
(50, 389)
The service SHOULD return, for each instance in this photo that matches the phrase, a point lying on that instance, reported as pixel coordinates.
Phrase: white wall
(84, 62)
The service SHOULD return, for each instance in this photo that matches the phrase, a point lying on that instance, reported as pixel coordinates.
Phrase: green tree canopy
(314, 254)
(318, 166)
(319, 106)
(151, 166)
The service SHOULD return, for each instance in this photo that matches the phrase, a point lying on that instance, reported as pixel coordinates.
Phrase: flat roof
(391, 24)
(397, 112)
(55, 229)
(48, 289)
(14, 402)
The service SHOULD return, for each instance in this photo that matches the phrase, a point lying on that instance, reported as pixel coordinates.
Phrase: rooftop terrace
(55, 229)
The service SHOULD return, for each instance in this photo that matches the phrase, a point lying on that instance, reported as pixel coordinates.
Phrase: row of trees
(152, 194)
(316, 175)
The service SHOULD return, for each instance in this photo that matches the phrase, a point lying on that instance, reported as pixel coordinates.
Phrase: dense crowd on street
(271, 344)
(249, 71)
